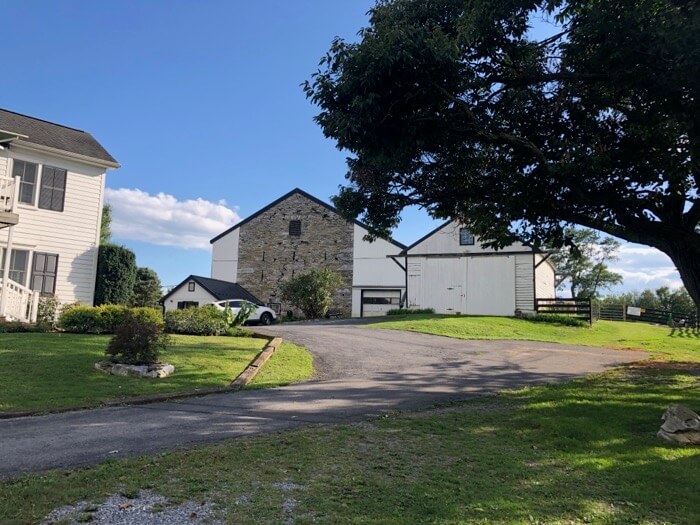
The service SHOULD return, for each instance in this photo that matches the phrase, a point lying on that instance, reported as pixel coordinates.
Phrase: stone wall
(268, 255)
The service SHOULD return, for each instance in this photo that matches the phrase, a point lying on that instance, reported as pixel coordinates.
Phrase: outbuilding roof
(31, 130)
(220, 290)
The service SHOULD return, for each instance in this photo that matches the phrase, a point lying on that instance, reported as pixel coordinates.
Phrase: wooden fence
(580, 308)
(626, 312)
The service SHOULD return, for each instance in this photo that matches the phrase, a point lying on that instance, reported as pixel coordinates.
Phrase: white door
(491, 285)
(444, 284)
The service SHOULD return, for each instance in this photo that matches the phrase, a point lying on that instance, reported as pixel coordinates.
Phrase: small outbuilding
(198, 291)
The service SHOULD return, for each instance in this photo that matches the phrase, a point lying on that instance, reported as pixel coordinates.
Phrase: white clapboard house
(52, 181)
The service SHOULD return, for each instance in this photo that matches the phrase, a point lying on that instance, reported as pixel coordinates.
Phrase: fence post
(624, 312)
(590, 311)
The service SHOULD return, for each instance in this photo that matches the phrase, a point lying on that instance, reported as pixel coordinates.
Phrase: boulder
(119, 369)
(680, 424)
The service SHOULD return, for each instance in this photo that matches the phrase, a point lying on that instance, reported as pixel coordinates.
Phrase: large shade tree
(458, 106)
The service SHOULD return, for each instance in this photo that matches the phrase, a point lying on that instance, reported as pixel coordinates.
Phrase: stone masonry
(268, 255)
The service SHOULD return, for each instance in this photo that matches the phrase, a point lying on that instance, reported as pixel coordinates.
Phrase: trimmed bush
(564, 320)
(103, 319)
(312, 292)
(116, 275)
(202, 320)
(409, 311)
(139, 338)
(47, 311)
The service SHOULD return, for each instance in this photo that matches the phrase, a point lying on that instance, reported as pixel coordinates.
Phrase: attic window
(190, 286)
(294, 228)
(465, 237)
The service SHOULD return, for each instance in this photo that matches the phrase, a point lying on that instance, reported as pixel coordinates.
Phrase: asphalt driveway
(361, 372)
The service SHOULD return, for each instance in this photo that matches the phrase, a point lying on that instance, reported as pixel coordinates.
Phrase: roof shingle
(52, 135)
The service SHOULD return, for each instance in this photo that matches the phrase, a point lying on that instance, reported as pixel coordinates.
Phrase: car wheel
(266, 318)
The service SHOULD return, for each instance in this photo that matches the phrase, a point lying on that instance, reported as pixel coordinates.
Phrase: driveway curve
(361, 372)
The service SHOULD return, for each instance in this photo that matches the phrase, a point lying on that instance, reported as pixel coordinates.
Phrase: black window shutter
(44, 272)
(53, 189)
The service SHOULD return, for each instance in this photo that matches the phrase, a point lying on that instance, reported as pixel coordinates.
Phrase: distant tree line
(662, 298)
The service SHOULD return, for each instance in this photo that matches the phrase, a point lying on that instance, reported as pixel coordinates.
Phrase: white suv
(262, 314)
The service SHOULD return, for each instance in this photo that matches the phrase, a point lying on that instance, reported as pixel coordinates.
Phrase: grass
(43, 371)
(581, 452)
(679, 344)
(289, 364)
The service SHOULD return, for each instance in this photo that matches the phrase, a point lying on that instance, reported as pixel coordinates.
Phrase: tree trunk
(687, 261)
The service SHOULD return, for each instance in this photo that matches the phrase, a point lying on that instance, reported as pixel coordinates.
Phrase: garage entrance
(378, 302)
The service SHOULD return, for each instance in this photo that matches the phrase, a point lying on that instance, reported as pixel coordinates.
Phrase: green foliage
(17, 328)
(202, 320)
(662, 298)
(559, 319)
(146, 288)
(410, 311)
(237, 331)
(458, 107)
(583, 264)
(312, 291)
(116, 275)
(139, 338)
(47, 311)
(246, 310)
(103, 319)
(106, 225)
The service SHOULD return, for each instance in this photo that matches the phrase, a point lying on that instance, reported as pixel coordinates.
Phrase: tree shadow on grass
(685, 331)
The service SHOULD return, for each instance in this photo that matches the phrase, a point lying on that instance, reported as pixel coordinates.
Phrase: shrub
(139, 338)
(116, 274)
(103, 319)
(16, 328)
(47, 311)
(236, 331)
(147, 290)
(312, 291)
(410, 311)
(564, 320)
(202, 320)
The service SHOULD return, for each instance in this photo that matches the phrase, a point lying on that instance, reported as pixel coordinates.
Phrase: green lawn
(289, 364)
(40, 371)
(581, 452)
(660, 342)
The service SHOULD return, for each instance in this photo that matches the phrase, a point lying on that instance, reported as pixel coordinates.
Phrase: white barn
(450, 271)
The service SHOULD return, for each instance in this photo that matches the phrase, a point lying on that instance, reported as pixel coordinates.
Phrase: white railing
(7, 193)
(20, 303)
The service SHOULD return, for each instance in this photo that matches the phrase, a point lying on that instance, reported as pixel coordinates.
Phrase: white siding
(4, 163)
(372, 268)
(446, 241)
(224, 257)
(72, 234)
(544, 279)
(524, 282)
(181, 294)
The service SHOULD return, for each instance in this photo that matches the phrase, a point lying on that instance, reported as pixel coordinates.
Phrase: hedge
(101, 319)
(203, 320)
(116, 275)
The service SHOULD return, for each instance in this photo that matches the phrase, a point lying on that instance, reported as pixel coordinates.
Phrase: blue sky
(201, 104)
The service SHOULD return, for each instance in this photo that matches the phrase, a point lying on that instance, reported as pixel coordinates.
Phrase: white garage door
(491, 285)
(379, 302)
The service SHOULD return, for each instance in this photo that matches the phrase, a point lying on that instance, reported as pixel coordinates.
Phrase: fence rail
(580, 308)
(626, 312)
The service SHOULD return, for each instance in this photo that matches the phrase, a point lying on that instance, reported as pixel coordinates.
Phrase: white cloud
(164, 220)
(644, 267)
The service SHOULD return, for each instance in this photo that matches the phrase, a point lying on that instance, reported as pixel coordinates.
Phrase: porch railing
(7, 193)
(20, 303)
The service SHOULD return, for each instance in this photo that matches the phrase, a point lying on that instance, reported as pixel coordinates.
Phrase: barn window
(190, 286)
(465, 237)
(295, 228)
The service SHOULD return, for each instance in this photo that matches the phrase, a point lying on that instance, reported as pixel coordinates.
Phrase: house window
(295, 228)
(465, 237)
(52, 193)
(27, 172)
(181, 305)
(18, 265)
(44, 273)
(190, 286)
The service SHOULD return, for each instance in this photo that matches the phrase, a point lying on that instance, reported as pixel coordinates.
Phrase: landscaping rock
(680, 424)
(154, 370)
